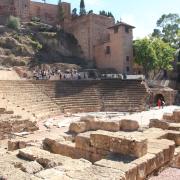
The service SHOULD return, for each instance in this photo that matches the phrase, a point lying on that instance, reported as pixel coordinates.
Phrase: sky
(142, 14)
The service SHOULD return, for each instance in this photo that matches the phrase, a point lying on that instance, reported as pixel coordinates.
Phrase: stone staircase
(72, 96)
(104, 95)
(25, 95)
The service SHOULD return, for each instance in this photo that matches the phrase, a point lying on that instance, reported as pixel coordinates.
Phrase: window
(127, 58)
(127, 68)
(116, 29)
(108, 50)
(126, 29)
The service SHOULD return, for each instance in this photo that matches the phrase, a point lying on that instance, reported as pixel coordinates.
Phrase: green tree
(82, 8)
(153, 54)
(14, 23)
(164, 54)
(168, 27)
(145, 55)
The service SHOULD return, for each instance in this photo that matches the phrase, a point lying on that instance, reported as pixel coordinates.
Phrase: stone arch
(158, 96)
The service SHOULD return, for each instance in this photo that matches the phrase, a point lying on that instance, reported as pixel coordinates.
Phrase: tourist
(159, 103)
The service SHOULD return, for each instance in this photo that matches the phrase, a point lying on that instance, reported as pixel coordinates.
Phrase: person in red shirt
(159, 103)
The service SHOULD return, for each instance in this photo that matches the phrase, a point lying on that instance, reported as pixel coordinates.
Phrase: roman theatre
(84, 129)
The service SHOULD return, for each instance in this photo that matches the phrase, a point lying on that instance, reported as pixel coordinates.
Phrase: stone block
(132, 146)
(128, 125)
(82, 141)
(101, 139)
(155, 133)
(78, 127)
(164, 147)
(13, 145)
(97, 173)
(113, 126)
(176, 115)
(168, 117)
(159, 160)
(119, 143)
(156, 123)
(175, 136)
(128, 170)
(176, 159)
(174, 126)
(31, 167)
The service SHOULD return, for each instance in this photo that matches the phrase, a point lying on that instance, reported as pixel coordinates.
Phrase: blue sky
(142, 14)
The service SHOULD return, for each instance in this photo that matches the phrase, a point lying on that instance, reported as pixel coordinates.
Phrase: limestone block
(101, 139)
(176, 158)
(74, 165)
(31, 167)
(13, 145)
(159, 160)
(110, 126)
(82, 141)
(156, 123)
(97, 173)
(168, 117)
(145, 165)
(78, 127)
(32, 153)
(119, 143)
(175, 136)
(164, 147)
(128, 170)
(132, 146)
(128, 125)
(176, 115)
(155, 133)
(174, 126)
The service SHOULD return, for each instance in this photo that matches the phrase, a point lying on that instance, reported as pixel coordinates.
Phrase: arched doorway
(158, 96)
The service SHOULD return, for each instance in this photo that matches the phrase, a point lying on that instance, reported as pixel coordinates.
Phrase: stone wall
(89, 30)
(19, 8)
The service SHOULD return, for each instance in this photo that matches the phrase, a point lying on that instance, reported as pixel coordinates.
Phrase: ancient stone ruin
(93, 148)
(90, 147)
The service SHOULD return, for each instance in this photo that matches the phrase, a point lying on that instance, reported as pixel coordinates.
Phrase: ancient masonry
(102, 41)
(96, 149)
(90, 148)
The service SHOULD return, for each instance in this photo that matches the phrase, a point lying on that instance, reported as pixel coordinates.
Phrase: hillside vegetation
(36, 43)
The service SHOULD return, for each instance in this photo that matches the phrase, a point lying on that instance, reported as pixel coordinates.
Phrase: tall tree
(82, 8)
(145, 55)
(168, 27)
(153, 54)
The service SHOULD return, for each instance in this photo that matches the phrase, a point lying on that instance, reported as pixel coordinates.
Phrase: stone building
(107, 44)
(116, 51)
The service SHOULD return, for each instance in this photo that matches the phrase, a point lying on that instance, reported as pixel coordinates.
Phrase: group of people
(56, 74)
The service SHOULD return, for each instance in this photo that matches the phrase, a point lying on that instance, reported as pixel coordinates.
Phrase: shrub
(13, 23)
